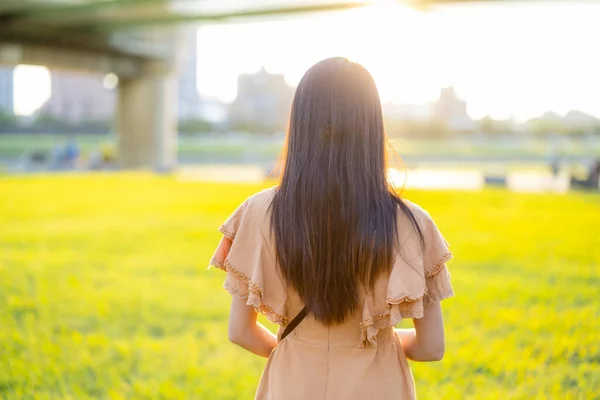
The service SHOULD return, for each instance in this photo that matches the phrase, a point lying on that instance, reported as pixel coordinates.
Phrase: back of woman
(334, 256)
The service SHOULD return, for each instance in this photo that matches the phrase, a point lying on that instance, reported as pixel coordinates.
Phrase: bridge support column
(147, 121)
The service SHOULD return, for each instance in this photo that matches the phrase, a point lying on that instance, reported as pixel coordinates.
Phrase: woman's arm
(245, 331)
(426, 341)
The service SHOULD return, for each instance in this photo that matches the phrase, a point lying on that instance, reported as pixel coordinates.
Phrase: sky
(518, 60)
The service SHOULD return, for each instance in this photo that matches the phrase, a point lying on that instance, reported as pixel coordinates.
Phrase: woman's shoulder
(421, 215)
(434, 241)
(258, 204)
(251, 211)
(432, 238)
(262, 198)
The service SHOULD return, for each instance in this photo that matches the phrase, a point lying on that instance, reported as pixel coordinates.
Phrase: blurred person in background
(334, 256)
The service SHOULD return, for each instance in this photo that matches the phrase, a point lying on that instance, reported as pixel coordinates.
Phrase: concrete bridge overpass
(138, 41)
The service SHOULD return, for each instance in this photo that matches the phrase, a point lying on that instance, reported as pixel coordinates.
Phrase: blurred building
(76, 98)
(452, 111)
(189, 103)
(262, 99)
(7, 90)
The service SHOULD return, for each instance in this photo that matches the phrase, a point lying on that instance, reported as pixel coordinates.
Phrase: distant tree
(8, 122)
(94, 126)
(549, 123)
(487, 125)
(195, 126)
(7, 117)
(49, 123)
(574, 123)
(256, 127)
(44, 118)
(417, 129)
(494, 126)
(575, 130)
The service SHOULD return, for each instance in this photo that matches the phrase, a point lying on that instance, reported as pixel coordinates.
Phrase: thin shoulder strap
(294, 323)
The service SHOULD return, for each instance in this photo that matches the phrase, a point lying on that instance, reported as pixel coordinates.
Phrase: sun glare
(391, 40)
(412, 54)
(32, 88)
(393, 43)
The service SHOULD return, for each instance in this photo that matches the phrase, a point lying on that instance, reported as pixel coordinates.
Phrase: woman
(334, 256)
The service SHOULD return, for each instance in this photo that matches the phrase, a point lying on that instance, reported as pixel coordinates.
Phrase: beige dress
(359, 359)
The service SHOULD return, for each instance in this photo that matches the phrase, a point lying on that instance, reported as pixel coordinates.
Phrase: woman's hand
(247, 332)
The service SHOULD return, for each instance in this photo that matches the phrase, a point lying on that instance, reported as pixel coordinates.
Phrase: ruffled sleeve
(245, 255)
(419, 277)
(437, 254)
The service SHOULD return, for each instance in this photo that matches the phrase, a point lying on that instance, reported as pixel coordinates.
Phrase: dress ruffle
(406, 307)
(419, 277)
(251, 270)
(238, 284)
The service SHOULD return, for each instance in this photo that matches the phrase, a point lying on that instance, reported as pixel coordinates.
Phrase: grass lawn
(104, 292)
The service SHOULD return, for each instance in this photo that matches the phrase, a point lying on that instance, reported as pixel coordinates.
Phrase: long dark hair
(334, 215)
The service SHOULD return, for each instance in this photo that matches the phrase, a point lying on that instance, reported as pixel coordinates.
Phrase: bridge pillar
(147, 121)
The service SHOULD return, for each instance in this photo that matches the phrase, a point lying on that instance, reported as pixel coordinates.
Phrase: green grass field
(104, 292)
